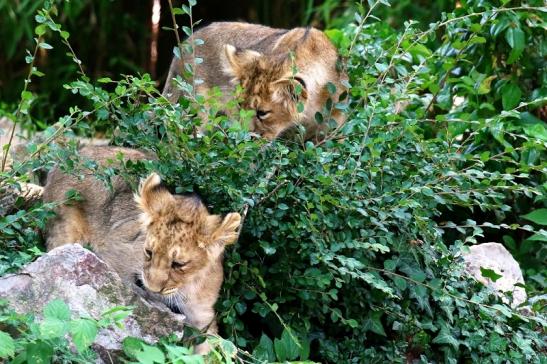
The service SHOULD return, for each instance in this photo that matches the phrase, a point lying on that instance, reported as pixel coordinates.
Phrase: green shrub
(351, 248)
(28, 340)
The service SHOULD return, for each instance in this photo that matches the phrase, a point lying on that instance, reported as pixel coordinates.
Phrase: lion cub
(170, 242)
(278, 69)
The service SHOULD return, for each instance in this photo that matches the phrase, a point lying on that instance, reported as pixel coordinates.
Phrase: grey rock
(6, 126)
(494, 256)
(89, 287)
(29, 192)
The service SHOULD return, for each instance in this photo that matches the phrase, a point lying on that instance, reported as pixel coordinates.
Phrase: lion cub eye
(148, 254)
(178, 265)
(262, 114)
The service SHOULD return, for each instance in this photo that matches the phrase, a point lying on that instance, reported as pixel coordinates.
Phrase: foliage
(122, 40)
(24, 339)
(351, 248)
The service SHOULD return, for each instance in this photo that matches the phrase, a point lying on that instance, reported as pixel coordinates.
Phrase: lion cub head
(182, 239)
(269, 88)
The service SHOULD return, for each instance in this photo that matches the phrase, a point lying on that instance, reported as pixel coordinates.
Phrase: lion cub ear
(221, 231)
(235, 62)
(291, 89)
(152, 198)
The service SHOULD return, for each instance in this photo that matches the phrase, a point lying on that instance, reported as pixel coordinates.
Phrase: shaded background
(113, 37)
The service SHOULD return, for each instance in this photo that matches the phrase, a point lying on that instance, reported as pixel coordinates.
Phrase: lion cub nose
(154, 287)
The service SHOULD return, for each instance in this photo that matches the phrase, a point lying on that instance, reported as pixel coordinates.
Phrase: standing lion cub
(278, 69)
(170, 242)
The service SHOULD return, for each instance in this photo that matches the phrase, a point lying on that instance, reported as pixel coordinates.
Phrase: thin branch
(442, 291)
(18, 111)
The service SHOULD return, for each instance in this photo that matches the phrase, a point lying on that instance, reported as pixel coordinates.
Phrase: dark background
(113, 37)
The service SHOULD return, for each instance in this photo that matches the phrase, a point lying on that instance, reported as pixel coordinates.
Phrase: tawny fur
(258, 58)
(169, 241)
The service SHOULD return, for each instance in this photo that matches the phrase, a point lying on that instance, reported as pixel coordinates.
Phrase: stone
(6, 126)
(18, 140)
(9, 195)
(494, 256)
(89, 287)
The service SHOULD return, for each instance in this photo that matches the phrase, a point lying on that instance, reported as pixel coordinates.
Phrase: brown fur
(171, 241)
(258, 57)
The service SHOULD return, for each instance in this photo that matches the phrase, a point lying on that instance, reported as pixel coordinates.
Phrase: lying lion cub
(170, 241)
(264, 60)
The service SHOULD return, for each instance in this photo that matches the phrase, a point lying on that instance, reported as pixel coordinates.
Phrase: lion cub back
(105, 220)
(279, 70)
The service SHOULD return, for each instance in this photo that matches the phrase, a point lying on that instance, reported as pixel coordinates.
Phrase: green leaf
(282, 206)
(497, 343)
(44, 45)
(40, 29)
(510, 95)
(149, 355)
(83, 333)
(390, 264)
(499, 25)
(538, 216)
(228, 348)
(131, 346)
(515, 39)
(540, 236)
(52, 328)
(286, 348)
(417, 275)
(39, 352)
(57, 309)
(373, 323)
(176, 52)
(7, 345)
(182, 355)
(26, 95)
(485, 85)
(265, 349)
(339, 38)
(477, 40)
(504, 310)
(445, 337)
(536, 131)
(490, 273)
(305, 350)
(400, 283)
(509, 242)
(331, 88)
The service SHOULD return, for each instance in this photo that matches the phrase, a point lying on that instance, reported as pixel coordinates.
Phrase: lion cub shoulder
(104, 219)
(284, 73)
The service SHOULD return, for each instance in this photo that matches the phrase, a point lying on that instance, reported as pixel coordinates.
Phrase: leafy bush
(351, 248)
(28, 340)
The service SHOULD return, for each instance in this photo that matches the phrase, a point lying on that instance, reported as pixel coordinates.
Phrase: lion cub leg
(69, 226)
(202, 318)
(210, 328)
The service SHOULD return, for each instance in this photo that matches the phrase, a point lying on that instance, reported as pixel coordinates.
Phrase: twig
(243, 216)
(271, 193)
(361, 25)
(175, 29)
(18, 111)
(442, 291)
